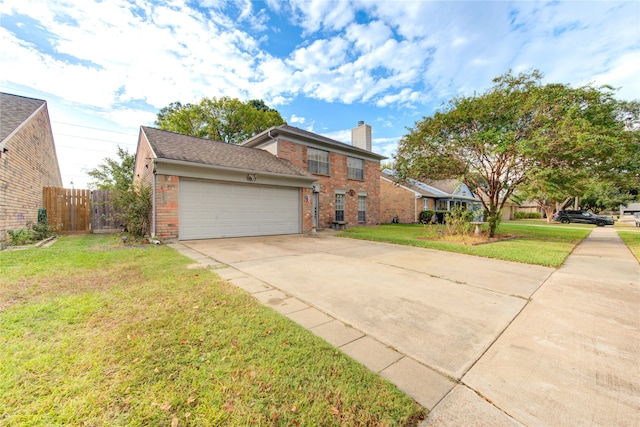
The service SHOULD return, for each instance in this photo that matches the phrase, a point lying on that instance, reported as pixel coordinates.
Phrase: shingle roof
(174, 146)
(14, 110)
(292, 130)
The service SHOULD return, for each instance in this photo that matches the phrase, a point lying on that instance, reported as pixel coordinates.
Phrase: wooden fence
(80, 211)
(103, 218)
(68, 209)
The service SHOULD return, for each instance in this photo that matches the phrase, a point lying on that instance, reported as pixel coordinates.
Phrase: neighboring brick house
(28, 161)
(347, 187)
(404, 201)
(282, 181)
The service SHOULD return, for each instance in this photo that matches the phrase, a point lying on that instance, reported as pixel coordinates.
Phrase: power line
(97, 139)
(93, 128)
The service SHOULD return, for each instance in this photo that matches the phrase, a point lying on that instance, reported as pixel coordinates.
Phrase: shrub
(458, 221)
(527, 215)
(30, 234)
(134, 208)
(426, 216)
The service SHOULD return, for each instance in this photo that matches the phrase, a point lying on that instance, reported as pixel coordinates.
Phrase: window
(339, 207)
(318, 161)
(362, 208)
(355, 168)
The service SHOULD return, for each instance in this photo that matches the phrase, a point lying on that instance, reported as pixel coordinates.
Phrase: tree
(222, 119)
(519, 135)
(114, 174)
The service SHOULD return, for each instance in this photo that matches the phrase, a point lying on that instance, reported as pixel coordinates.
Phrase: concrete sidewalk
(456, 332)
(570, 358)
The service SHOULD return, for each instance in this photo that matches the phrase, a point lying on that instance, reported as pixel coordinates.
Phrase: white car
(636, 217)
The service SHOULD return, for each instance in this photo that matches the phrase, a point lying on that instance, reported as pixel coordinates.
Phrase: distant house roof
(438, 189)
(14, 111)
(174, 146)
(306, 135)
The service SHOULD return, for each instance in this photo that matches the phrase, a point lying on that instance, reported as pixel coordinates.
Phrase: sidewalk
(570, 358)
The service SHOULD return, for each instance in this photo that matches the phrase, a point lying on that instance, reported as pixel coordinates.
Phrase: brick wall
(166, 202)
(337, 181)
(398, 201)
(29, 165)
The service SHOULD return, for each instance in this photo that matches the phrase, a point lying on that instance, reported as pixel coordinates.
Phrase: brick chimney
(361, 136)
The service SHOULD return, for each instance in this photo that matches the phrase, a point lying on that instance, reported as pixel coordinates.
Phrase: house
(346, 187)
(28, 161)
(282, 181)
(403, 202)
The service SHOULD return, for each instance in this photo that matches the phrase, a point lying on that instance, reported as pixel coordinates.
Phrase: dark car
(583, 217)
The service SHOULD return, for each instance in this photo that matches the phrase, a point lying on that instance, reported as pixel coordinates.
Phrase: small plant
(20, 237)
(30, 234)
(458, 221)
(527, 215)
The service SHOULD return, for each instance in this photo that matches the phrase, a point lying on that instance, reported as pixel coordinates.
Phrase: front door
(315, 210)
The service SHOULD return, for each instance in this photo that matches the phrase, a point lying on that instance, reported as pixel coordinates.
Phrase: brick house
(28, 161)
(282, 181)
(347, 187)
(404, 201)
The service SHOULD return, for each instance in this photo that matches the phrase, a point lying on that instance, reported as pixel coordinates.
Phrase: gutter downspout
(153, 197)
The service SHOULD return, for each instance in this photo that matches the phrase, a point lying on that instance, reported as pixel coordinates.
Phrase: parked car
(583, 217)
(636, 217)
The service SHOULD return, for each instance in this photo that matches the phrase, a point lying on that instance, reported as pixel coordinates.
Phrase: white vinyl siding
(209, 209)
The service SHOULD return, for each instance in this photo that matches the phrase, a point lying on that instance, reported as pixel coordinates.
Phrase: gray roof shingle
(14, 110)
(175, 146)
(292, 130)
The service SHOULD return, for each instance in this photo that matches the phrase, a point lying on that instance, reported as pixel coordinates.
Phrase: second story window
(318, 161)
(355, 168)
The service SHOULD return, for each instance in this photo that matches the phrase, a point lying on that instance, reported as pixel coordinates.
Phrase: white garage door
(210, 209)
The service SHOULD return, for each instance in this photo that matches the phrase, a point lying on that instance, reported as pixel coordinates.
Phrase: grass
(96, 333)
(536, 242)
(632, 240)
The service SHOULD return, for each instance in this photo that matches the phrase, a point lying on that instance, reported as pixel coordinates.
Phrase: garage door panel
(215, 209)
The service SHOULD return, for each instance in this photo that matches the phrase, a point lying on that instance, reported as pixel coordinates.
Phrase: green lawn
(532, 242)
(632, 240)
(96, 333)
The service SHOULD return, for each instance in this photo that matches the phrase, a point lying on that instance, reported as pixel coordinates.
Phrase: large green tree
(222, 119)
(520, 135)
(114, 174)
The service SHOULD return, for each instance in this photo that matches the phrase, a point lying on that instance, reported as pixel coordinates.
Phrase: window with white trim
(318, 161)
(362, 208)
(355, 168)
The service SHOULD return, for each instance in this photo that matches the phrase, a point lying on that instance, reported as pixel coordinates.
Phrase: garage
(215, 209)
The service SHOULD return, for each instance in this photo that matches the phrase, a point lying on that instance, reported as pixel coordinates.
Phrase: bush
(527, 215)
(458, 221)
(426, 216)
(134, 208)
(30, 234)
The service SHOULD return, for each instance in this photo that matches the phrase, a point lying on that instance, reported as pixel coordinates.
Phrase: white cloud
(296, 119)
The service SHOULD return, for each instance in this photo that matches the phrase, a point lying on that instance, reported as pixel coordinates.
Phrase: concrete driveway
(452, 331)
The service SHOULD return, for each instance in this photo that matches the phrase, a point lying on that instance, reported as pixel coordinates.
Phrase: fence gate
(102, 212)
(68, 209)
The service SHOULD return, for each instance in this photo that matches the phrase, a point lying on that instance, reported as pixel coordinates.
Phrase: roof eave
(232, 169)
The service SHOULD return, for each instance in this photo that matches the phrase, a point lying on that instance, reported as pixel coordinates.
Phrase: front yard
(93, 332)
(532, 242)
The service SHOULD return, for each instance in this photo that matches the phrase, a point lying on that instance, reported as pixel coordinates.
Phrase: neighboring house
(282, 181)
(404, 201)
(28, 161)
(630, 209)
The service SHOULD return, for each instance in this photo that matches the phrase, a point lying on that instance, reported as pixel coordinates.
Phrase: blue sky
(107, 67)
